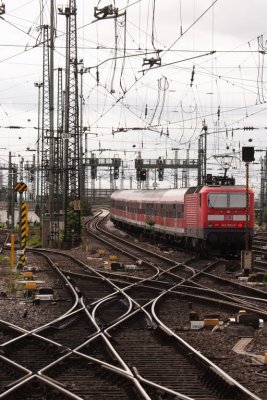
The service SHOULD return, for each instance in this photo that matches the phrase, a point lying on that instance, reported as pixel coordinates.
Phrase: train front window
(217, 200)
(237, 200)
(227, 200)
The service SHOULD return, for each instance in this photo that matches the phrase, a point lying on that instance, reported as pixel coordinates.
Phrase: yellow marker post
(27, 219)
(31, 285)
(22, 187)
(28, 274)
(22, 258)
(12, 249)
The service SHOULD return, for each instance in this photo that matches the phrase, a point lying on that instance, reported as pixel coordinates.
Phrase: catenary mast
(71, 146)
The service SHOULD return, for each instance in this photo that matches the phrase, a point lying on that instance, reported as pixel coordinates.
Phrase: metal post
(66, 132)
(51, 140)
(86, 180)
(10, 191)
(263, 191)
(81, 167)
(247, 207)
(205, 128)
(72, 195)
(13, 201)
(14, 180)
(187, 170)
(20, 217)
(112, 182)
(200, 161)
(21, 169)
(33, 177)
(247, 257)
(39, 85)
(12, 249)
(122, 176)
(176, 171)
(20, 194)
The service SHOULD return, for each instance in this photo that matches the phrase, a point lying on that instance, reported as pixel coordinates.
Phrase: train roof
(222, 188)
(150, 195)
(170, 195)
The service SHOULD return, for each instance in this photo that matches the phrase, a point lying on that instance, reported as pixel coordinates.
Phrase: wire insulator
(192, 76)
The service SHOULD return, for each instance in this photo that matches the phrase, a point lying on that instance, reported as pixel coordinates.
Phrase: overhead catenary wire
(106, 101)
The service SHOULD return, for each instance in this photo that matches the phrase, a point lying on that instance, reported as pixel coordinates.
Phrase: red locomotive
(204, 218)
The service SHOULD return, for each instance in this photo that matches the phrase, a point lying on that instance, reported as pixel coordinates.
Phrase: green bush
(34, 241)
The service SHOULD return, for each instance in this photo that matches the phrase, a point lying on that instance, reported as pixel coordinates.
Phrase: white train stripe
(215, 217)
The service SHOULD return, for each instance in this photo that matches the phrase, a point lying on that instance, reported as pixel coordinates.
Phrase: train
(215, 220)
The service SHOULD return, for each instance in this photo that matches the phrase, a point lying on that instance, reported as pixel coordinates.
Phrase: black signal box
(248, 154)
(142, 175)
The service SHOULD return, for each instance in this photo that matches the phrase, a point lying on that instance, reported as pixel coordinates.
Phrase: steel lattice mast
(53, 168)
(45, 122)
(59, 138)
(49, 171)
(71, 195)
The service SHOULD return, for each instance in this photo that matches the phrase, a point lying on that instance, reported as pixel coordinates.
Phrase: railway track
(110, 316)
(204, 274)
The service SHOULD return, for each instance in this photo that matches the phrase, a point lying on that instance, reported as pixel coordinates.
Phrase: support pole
(52, 172)
(23, 237)
(247, 207)
(12, 249)
(39, 85)
(247, 256)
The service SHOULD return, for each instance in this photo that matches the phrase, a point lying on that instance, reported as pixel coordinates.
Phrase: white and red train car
(211, 218)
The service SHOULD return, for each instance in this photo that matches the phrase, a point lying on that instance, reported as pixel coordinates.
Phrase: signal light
(116, 173)
(248, 154)
(142, 174)
(161, 174)
(93, 172)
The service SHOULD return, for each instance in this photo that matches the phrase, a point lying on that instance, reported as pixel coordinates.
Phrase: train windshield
(227, 200)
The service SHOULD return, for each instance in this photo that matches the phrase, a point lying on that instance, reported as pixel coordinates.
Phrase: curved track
(116, 333)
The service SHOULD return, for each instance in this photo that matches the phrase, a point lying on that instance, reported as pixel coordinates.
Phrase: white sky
(162, 99)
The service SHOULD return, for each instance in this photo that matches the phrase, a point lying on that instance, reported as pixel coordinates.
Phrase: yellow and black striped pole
(22, 187)
(27, 219)
(22, 258)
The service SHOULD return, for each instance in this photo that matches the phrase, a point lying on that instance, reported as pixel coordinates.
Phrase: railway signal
(160, 164)
(141, 174)
(248, 154)
(161, 174)
(116, 173)
(247, 257)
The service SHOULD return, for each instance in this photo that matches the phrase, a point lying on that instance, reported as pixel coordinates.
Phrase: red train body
(211, 218)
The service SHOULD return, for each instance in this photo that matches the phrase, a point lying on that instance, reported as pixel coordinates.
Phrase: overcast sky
(167, 103)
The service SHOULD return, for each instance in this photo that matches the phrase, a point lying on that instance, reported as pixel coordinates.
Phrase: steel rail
(200, 356)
